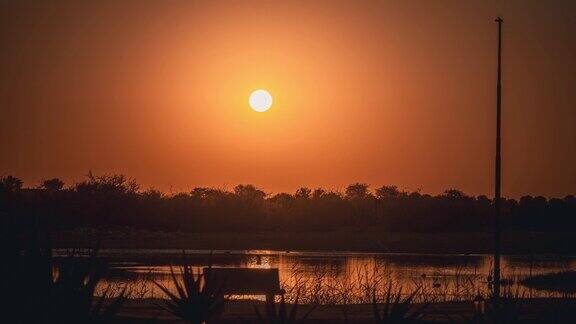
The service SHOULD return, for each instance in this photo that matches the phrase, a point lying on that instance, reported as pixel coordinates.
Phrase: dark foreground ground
(362, 241)
(528, 311)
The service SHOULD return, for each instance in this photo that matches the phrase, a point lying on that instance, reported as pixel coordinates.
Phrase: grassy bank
(564, 282)
(529, 311)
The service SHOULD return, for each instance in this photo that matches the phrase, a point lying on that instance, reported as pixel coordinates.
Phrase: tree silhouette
(303, 193)
(10, 184)
(387, 192)
(113, 201)
(54, 184)
(357, 191)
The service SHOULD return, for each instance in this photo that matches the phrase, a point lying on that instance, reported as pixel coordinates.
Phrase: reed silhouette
(281, 312)
(192, 300)
(396, 308)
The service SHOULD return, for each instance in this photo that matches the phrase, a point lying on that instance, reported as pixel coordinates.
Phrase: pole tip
(499, 20)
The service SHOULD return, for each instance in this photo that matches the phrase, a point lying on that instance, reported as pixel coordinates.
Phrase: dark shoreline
(518, 243)
(538, 310)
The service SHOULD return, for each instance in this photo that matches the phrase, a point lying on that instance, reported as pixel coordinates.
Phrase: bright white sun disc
(260, 100)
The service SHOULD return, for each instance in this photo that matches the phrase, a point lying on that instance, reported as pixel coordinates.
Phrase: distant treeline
(113, 201)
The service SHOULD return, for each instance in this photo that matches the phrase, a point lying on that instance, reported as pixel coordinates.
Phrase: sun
(260, 100)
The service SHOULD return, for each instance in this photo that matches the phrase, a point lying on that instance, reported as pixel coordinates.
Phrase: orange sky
(383, 92)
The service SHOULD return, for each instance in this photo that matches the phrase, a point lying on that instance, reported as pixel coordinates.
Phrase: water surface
(341, 277)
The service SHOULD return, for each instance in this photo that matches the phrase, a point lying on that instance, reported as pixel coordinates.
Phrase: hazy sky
(383, 92)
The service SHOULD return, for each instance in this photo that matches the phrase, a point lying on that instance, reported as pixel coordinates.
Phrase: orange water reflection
(335, 278)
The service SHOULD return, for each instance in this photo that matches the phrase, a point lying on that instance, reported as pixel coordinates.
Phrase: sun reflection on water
(347, 277)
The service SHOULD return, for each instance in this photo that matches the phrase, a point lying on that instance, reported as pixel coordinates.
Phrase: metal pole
(497, 191)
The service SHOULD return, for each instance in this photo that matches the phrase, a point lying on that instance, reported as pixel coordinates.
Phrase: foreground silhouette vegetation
(40, 288)
(193, 301)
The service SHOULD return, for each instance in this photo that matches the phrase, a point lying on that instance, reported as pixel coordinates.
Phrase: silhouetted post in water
(497, 191)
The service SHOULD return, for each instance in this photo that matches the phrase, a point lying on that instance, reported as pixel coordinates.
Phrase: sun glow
(260, 100)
